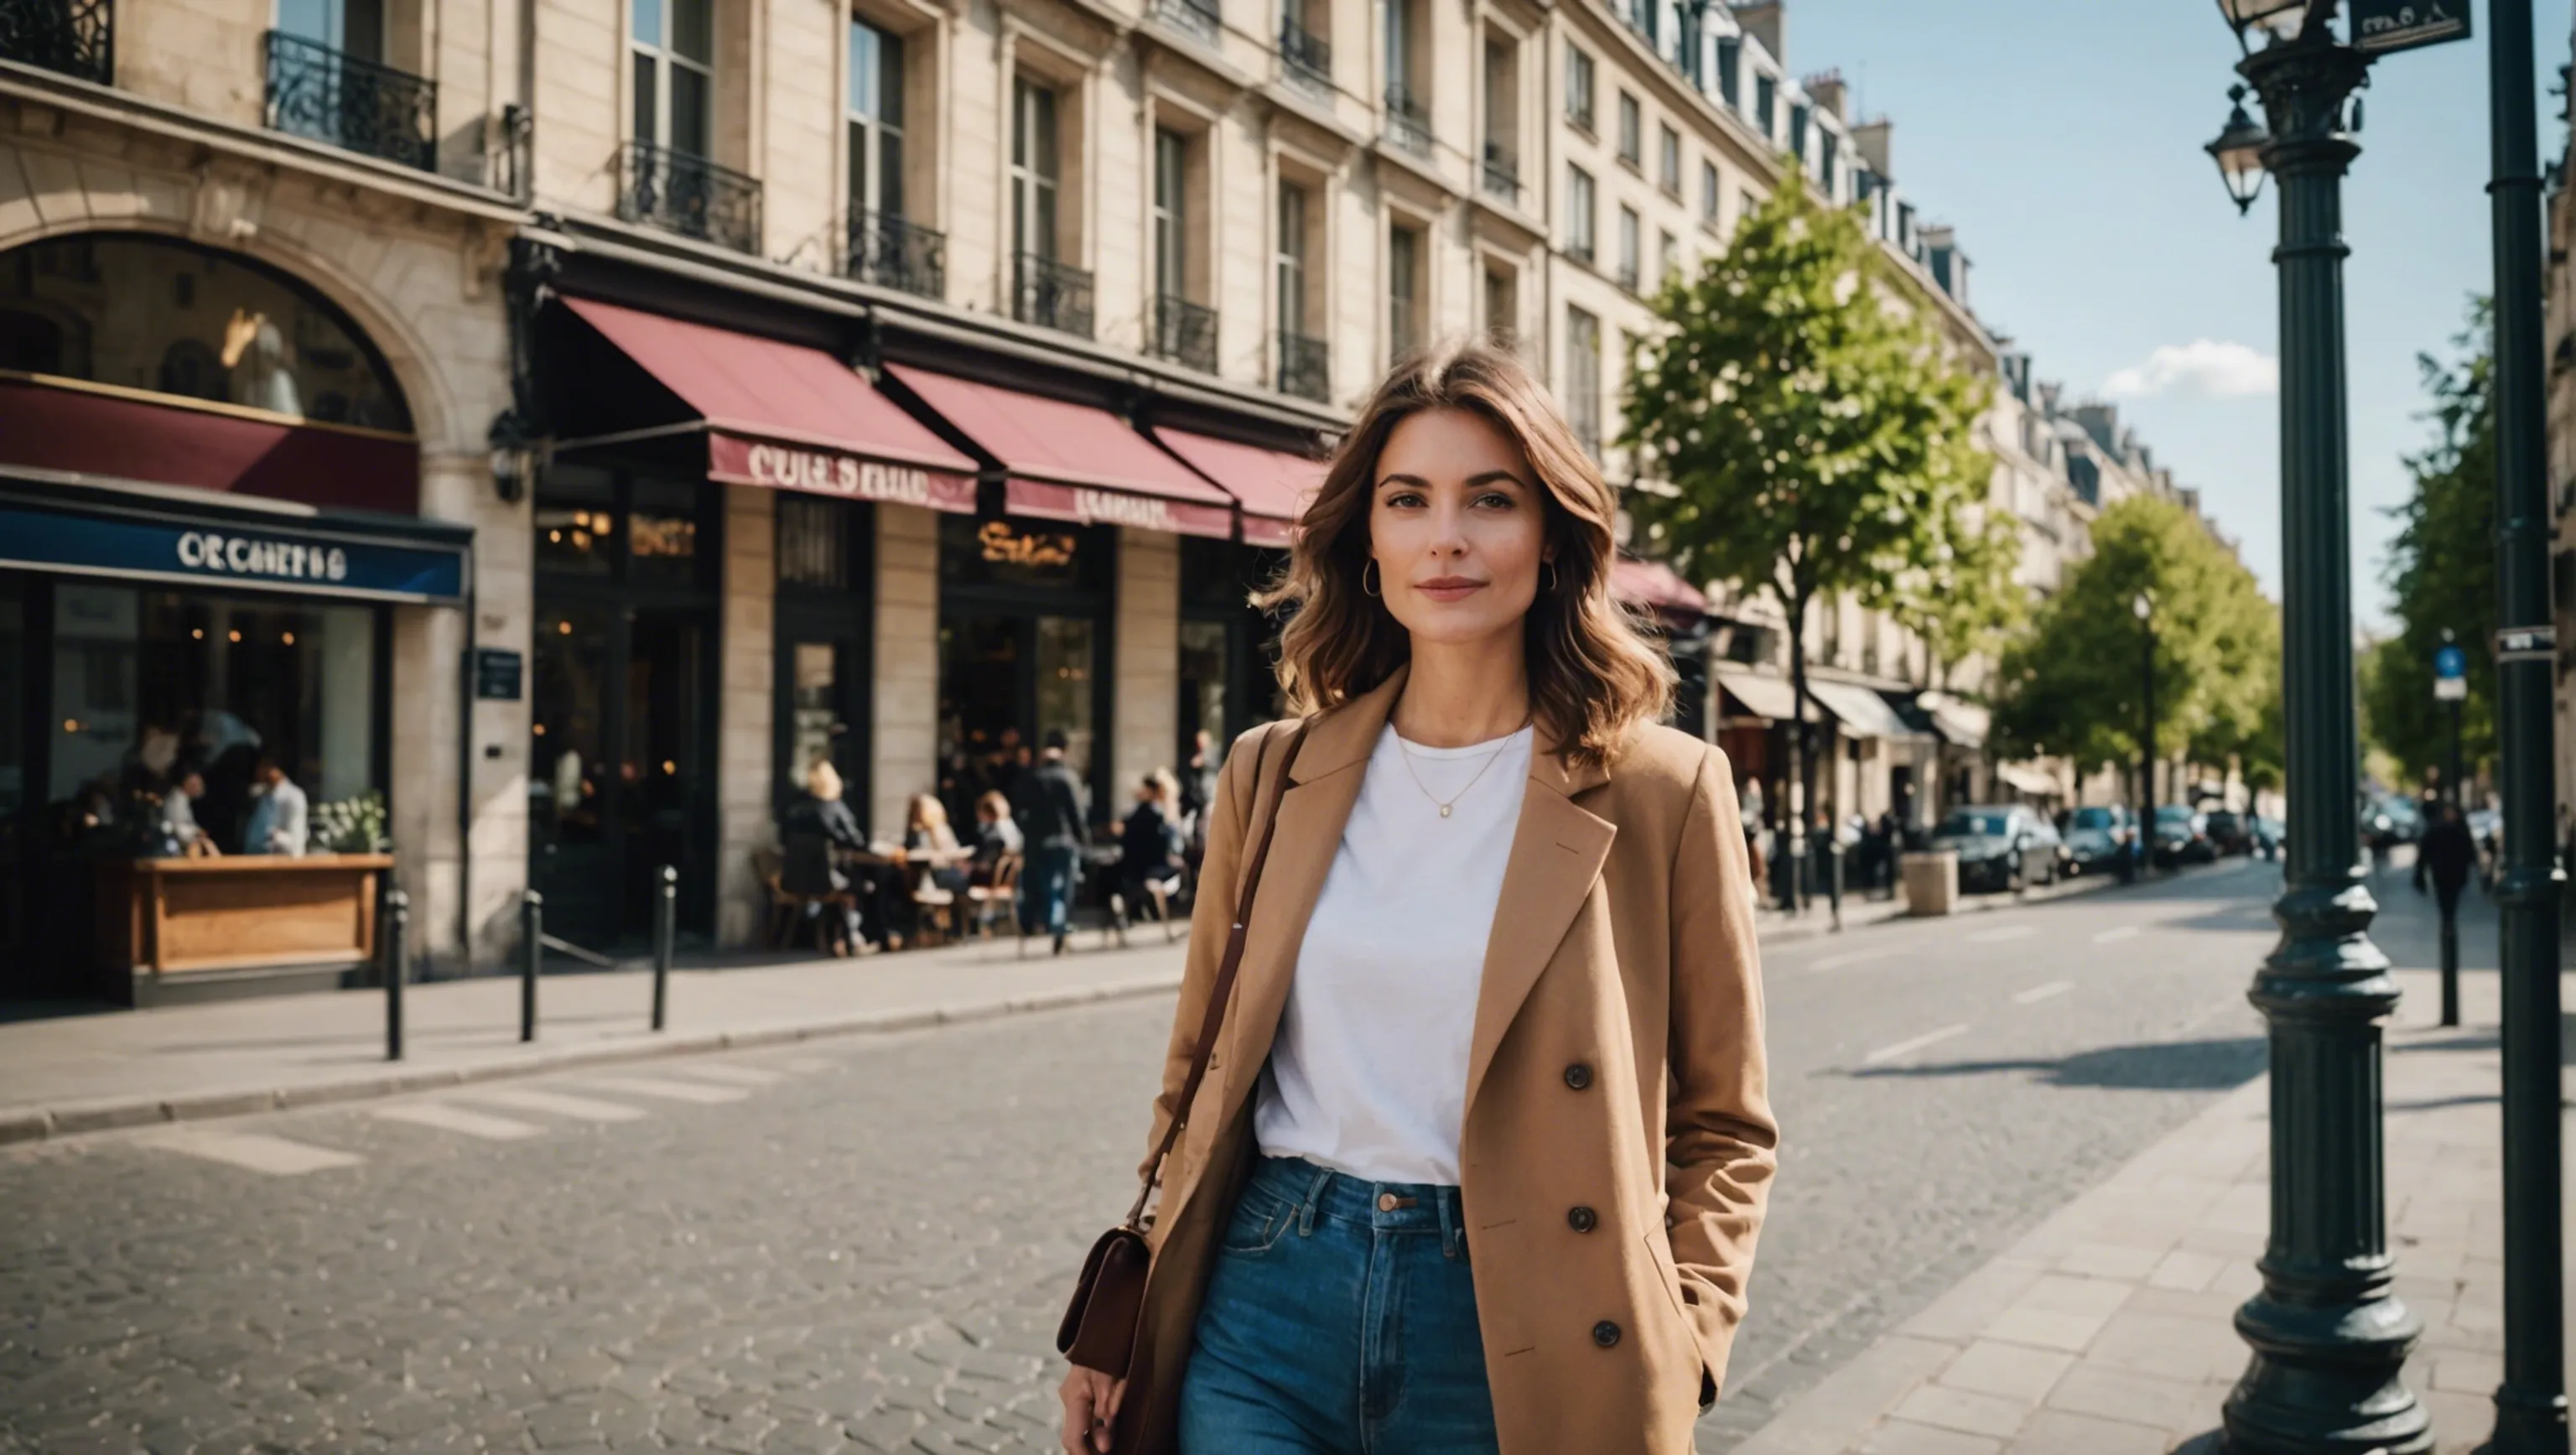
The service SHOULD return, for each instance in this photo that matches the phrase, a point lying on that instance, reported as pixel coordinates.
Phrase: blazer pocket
(1670, 1276)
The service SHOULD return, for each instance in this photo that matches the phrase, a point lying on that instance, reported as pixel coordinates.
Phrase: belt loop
(1322, 1179)
(1453, 1239)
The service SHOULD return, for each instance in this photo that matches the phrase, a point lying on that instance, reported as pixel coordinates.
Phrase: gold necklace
(1415, 774)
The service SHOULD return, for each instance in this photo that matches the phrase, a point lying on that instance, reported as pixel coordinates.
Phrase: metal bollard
(2450, 963)
(1834, 888)
(532, 951)
(397, 959)
(666, 910)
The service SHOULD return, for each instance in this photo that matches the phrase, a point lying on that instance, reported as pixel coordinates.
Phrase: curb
(22, 1125)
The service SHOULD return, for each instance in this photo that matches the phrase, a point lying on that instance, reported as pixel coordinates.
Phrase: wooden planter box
(171, 918)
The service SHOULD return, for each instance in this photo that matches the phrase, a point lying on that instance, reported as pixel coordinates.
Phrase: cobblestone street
(864, 1243)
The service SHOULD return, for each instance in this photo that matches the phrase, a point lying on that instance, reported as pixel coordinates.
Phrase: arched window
(170, 317)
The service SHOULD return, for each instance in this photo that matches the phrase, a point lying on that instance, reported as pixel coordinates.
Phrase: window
(1668, 257)
(1171, 214)
(1628, 248)
(1766, 106)
(673, 53)
(1668, 151)
(1033, 170)
(1291, 261)
(1708, 190)
(1583, 379)
(1578, 213)
(876, 120)
(1502, 306)
(1405, 84)
(1403, 291)
(1578, 88)
(1798, 131)
(1825, 161)
(1632, 130)
(1730, 55)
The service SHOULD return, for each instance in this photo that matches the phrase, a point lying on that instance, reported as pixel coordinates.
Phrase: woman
(996, 835)
(1149, 842)
(814, 828)
(1486, 1124)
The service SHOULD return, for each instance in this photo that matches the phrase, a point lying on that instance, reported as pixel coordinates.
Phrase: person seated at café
(279, 815)
(996, 834)
(815, 830)
(179, 815)
(1150, 843)
(930, 845)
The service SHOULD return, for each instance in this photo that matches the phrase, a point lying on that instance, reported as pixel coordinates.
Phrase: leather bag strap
(1223, 989)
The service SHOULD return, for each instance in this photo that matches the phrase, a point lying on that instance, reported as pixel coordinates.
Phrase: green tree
(2073, 684)
(2442, 568)
(1810, 438)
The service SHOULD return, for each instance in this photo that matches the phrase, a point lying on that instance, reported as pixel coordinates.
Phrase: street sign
(497, 674)
(2450, 689)
(2450, 673)
(2383, 26)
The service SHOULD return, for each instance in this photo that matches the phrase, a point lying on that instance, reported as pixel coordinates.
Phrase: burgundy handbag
(1099, 1328)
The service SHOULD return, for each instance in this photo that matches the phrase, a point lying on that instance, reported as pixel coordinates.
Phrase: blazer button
(1579, 1076)
(1582, 1219)
(1605, 1333)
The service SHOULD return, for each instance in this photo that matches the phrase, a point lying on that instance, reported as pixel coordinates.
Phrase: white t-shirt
(1368, 1074)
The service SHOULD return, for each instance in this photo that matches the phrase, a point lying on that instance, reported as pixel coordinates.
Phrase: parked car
(2096, 838)
(2182, 836)
(2389, 820)
(2001, 846)
(2229, 832)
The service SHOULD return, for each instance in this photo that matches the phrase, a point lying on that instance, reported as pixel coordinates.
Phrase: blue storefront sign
(322, 561)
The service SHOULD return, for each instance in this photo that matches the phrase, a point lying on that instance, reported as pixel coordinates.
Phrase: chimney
(1827, 91)
(1872, 138)
(1765, 23)
(2102, 421)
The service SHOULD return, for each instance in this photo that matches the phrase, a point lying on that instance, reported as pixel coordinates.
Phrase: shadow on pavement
(2220, 1065)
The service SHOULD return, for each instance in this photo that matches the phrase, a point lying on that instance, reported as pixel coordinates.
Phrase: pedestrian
(1047, 800)
(1150, 847)
(1491, 1091)
(278, 813)
(809, 834)
(2447, 855)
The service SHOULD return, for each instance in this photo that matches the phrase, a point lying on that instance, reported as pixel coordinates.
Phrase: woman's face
(1457, 527)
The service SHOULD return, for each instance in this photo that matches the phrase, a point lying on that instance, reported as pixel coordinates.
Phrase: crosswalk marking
(2007, 932)
(735, 1075)
(2121, 933)
(1890, 1053)
(2038, 993)
(581, 1108)
(456, 1119)
(257, 1151)
(696, 1091)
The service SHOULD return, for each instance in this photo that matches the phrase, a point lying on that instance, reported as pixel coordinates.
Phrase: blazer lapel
(1557, 852)
(1311, 817)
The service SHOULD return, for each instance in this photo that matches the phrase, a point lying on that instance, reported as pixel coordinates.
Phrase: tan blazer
(1616, 1065)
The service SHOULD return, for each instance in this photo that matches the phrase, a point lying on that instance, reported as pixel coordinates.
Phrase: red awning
(124, 434)
(1654, 586)
(1073, 462)
(787, 416)
(1272, 485)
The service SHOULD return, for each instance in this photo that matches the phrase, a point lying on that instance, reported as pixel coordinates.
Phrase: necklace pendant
(1444, 810)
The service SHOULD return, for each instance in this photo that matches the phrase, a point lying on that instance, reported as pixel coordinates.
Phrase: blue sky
(2063, 138)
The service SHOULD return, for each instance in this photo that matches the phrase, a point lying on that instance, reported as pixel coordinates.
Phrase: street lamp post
(2143, 605)
(2328, 1333)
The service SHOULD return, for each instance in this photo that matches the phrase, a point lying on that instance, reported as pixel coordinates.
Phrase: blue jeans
(1046, 889)
(1340, 1319)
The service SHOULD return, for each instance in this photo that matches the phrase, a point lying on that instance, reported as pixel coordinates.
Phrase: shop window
(1022, 553)
(577, 522)
(602, 524)
(813, 543)
(219, 327)
(662, 532)
(13, 704)
(149, 685)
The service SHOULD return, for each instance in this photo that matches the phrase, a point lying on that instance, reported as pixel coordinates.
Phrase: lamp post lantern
(2143, 606)
(2328, 1333)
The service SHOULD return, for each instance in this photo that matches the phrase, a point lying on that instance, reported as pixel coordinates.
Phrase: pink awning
(1072, 462)
(1272, 485)
(789, 417)
(1655, 587)
(124, 434)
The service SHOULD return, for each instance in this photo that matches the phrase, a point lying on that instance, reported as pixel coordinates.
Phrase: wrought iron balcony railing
(1502, 173)
(1408, 121)
(332, 96)
(1184, 332)
(1051, 295)
(74, 37)
(688, 195)
(890, 252)
(1194, 17)
(1305, 367)
(1307, 56)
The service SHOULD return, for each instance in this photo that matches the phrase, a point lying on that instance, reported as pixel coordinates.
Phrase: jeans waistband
(1319, 1191)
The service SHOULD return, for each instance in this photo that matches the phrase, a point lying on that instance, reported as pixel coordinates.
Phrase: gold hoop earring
(1366, 567)
(1553, 580)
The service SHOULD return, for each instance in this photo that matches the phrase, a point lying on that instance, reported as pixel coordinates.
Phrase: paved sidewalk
(2107, 1330)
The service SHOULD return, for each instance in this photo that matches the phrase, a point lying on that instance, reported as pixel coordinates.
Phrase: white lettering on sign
(1145, 511)
(832, 474)
(273, 559)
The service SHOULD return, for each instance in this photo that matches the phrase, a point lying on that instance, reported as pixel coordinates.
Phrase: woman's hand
(1090, 1409)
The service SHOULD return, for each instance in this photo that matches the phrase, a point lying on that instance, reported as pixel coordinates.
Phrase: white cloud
(2203, 367)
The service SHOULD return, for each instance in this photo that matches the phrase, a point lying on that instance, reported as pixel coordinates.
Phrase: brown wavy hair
(1594, 676)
